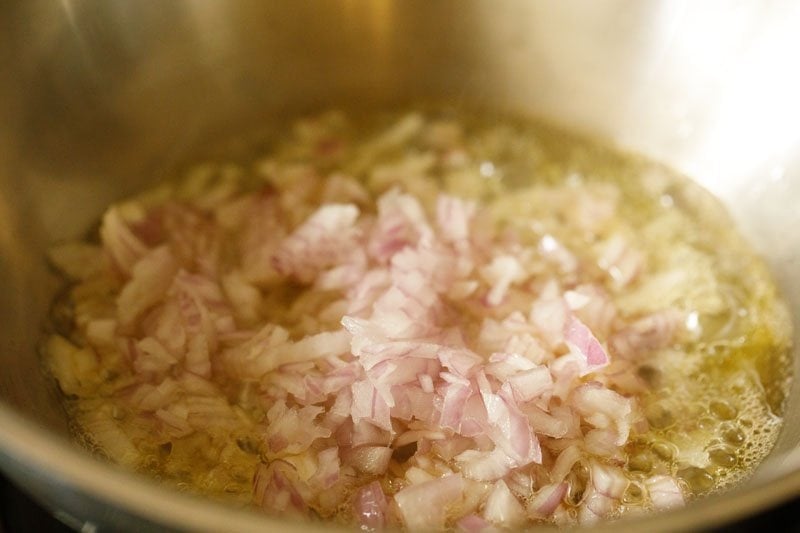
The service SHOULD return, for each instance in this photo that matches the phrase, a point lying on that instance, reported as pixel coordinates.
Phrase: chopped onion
(664, 492)
(502, 507)
(424, 506)
(371, 506)
(340, 336)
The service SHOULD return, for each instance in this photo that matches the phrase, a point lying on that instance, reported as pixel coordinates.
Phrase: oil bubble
(698, 479)
(723, 410)
(642, 462)
(659, 416)
(633, 494)
(733, 435)
(664, 450)
(649, 374)
(722, 456)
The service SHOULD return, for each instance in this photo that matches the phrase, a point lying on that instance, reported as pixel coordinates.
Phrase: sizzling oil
(716, 397)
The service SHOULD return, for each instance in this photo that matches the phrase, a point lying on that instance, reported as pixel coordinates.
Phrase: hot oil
(716, 402)
(715, 397)
(715, 409)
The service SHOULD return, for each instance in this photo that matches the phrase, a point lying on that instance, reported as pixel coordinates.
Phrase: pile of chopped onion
(403, 361)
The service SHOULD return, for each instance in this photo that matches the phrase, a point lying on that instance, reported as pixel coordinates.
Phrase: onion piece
(401, 222)
(664, 492)
(484, 466)
(545, 501)
(648, 333)
(581, 340)
(604, 408)
(510, 428)
(453, 218)
(549, 315)
(291, 430)
(320, 242)
(502, 507)
(372, 460)
(424, 506)
(474, 524)
(120, 242)
(622, 262)
(531, 383)
(151, 276)
(501, 273)
(608, 484)
(371, 507)
(278, 489)
(328, 468)
(370, 405)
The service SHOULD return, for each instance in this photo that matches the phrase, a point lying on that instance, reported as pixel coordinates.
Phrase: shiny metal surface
(99, 97)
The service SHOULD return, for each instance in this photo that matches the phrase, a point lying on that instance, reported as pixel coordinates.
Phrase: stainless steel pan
(99, 97)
